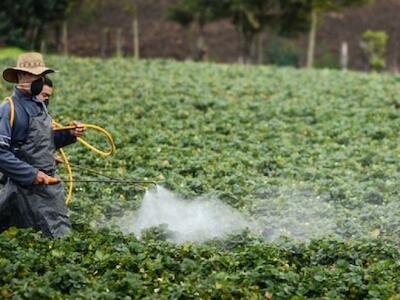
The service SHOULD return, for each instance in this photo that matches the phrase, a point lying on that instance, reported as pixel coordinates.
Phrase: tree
(317, 8)
(374, 44)
(132, 7)
(85, 9)
(199, 12)
(250, 18)
(23, 22)
(88, 10)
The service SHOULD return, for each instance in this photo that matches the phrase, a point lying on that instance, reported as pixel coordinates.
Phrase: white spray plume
(294, 212)
(195, 220)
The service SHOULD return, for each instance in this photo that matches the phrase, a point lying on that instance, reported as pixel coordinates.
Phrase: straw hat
(31, 62)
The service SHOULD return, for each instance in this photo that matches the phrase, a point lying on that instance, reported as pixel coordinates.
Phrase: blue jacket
(10, 165)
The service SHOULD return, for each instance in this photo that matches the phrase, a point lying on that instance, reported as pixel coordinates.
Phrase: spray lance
(108, 179)
(68, 165)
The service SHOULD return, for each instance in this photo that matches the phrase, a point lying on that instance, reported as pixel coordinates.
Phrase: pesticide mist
(294, 213)
(195, 220)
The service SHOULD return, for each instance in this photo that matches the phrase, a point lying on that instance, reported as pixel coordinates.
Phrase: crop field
(311, 156)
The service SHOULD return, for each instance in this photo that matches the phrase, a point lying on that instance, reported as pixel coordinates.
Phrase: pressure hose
(70, 181)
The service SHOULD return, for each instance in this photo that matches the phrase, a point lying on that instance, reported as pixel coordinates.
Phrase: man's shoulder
(26, 107)
(5, 109)
(6, 106)
(20, 111)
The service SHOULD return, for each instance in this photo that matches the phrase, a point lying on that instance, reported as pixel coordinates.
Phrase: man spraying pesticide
(33, 195)
(27, 150)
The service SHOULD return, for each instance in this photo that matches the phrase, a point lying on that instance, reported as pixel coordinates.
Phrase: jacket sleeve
(14, 168)
(63, 138)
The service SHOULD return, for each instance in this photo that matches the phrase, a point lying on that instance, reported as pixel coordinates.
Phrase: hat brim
(10, 74)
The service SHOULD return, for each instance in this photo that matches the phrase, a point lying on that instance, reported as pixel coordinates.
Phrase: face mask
(37, 86)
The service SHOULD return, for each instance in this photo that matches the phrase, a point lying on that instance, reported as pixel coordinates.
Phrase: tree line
(23, 23)
(253, 17)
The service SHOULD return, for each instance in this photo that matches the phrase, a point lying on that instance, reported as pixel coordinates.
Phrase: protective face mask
(37, 86)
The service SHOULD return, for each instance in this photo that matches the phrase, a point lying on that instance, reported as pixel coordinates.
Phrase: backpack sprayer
(109, 179)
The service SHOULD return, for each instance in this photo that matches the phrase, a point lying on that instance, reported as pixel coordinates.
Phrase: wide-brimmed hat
(31, 62)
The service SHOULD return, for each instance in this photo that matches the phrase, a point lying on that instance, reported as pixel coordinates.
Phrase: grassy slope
(241, 133)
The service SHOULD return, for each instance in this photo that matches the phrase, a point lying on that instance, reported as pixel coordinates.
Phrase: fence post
(104, 42)
(43, 47)
(344, 55)
(64, 37)
(118, 42)
(135, 32)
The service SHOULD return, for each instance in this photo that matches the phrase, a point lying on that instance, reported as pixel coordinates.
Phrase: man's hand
(42, 178)
(58, 159)
(79, 130)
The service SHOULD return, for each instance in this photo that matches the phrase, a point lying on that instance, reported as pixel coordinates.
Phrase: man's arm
(63, 138)
(18, 170)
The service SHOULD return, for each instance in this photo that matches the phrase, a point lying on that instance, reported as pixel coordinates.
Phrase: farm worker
(27, 149)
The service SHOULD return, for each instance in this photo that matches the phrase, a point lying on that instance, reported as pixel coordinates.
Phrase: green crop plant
(269, 141)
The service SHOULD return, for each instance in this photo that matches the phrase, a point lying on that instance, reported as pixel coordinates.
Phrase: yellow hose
(70, 175)
(58, 127)
(12, 110)
(106, 134)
